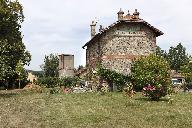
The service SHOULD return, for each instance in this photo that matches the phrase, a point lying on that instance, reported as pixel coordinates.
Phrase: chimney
(136, 14)
(100, 28)
(93, 29)
(128, 16)
(120, 15)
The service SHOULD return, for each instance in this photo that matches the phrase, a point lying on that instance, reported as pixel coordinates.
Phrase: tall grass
(93, 110)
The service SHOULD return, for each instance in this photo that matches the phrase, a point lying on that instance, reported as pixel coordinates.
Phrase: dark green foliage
(51, 66)
(150, 70)
(12, 49)
(54, 90)
(36, 73)
(51, 82)
(50, 77)
(189, 85)
(160, 52)
(177, 57)
(69, 81)
(48, 82)
(186, 70)
(112, 77)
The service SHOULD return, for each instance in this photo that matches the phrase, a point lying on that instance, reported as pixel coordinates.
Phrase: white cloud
(62, 26)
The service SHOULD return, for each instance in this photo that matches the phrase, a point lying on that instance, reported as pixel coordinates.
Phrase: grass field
(92, 110)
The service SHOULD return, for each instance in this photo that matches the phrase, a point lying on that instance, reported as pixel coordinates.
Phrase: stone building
(115, 46)
(66, 65)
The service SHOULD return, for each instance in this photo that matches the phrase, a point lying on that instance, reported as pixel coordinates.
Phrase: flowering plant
(155, 92)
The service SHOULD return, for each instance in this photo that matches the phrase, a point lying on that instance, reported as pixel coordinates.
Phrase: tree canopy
(186, 70)
(51, 66)
(177, 57)
(12, 48)
(160, 52)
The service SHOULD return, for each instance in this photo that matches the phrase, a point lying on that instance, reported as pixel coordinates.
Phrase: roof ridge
(157, 31)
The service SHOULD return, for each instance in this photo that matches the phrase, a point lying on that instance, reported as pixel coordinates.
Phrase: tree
(19, 71)
(51, 66)
(160, 52)
(21, 75)
(177, 57)
(186, 70)
(150, 70)
(37, 73)
(12, 48)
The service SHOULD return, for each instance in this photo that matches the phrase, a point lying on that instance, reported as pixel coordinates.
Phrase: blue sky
(63, 26)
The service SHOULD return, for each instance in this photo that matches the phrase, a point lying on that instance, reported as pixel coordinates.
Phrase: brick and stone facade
(117, 45)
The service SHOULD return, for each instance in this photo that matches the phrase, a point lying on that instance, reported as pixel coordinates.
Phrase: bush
(189, 85)
(48, 82)
(51, 82)
(150, 70)
(154, 71)
(113, 77)
(69, 82)
(155, 92)
(128, 90)
(186, 71)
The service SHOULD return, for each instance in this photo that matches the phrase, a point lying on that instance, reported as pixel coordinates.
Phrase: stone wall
(117, 47)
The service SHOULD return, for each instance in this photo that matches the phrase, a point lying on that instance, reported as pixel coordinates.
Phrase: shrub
(51, 82)
(69, 82)
(189, 85)
(48, 82)
(128, 90)
(112, 77)
(155, 92)
(186, 71)
(151, 70)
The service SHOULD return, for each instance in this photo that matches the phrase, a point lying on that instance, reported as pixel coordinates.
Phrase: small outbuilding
(177, 78)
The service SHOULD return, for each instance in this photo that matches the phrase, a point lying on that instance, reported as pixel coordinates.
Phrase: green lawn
(92, 110)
